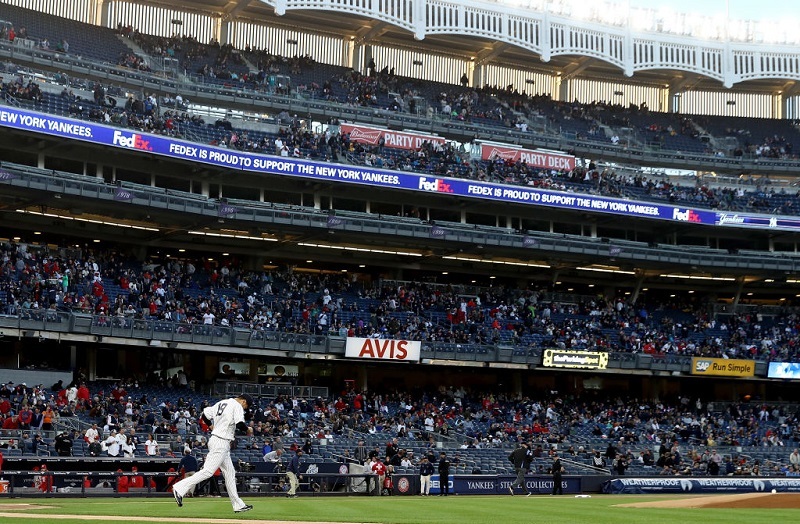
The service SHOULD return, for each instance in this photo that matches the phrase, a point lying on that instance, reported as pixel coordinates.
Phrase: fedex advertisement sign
(394, 350)
(436, 185)
(688, 215)
(394, 139)
(181, 150)
(531, 157)
(131, 141)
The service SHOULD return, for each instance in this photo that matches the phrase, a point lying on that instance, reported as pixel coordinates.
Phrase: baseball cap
(249, 399)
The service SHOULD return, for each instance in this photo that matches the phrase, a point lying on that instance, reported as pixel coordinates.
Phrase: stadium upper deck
(763, 202)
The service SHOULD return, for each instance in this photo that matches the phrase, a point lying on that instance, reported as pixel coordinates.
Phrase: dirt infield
(21, 510)
(742, 500)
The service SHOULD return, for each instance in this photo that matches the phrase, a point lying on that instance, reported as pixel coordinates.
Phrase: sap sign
(383, 349)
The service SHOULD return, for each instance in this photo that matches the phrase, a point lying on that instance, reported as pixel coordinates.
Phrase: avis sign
(394, 350)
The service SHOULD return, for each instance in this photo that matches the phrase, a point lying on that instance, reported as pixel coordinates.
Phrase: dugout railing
(51, 484)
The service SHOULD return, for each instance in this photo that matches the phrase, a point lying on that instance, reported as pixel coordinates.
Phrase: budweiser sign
(394, 139)
(546, 159)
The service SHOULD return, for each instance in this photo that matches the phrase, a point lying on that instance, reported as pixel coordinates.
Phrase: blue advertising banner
(12, 117)
(702, 485)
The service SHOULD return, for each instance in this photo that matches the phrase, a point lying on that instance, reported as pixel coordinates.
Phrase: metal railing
(366, 223)
(304, 345)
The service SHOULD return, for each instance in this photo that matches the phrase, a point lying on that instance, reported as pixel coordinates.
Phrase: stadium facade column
(99, 12)
(516, 382)
(366, 50)
(91, 361)
(226, 31)
(563, 87)
(787, 101)
(639, 283)
(674, 99)
(738, 295)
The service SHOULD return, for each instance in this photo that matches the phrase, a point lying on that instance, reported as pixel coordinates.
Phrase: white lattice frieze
(548, 34)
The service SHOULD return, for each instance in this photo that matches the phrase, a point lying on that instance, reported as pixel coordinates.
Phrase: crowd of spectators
(223, 61)
(36, 282)
(17, 88)
(607, 432)
(168, 115)
(503, 107)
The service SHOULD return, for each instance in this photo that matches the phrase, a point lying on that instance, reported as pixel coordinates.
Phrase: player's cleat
(528, 495)
(243, 509)
(178, 499)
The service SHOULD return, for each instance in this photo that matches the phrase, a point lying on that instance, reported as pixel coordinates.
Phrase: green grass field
(599, 509)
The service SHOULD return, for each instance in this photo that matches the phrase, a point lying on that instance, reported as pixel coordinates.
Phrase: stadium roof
(358, 27)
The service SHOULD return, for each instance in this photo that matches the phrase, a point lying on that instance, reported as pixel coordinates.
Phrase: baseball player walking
(225, 417)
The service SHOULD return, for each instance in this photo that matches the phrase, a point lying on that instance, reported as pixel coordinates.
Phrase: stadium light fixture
(502, 262)
(360, 249)
(605, 269)
(231, 235)
(88, 220)
(697, 277)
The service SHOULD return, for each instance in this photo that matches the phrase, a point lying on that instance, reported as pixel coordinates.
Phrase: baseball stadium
(344, 259)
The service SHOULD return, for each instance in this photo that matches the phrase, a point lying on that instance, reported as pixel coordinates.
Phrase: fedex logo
(436, 185)
(134, 141)
(689, 215)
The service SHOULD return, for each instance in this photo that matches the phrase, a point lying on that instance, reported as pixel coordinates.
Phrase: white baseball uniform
(225, 414)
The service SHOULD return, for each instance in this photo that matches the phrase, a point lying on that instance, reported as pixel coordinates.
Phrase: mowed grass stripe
(599, 509)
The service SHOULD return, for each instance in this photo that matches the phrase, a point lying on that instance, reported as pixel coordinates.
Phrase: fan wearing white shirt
(151, 446)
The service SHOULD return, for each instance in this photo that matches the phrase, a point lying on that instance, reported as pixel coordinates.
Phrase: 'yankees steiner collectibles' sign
(383, 349)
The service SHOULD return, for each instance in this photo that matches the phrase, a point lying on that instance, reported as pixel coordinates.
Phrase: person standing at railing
(48, 418)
